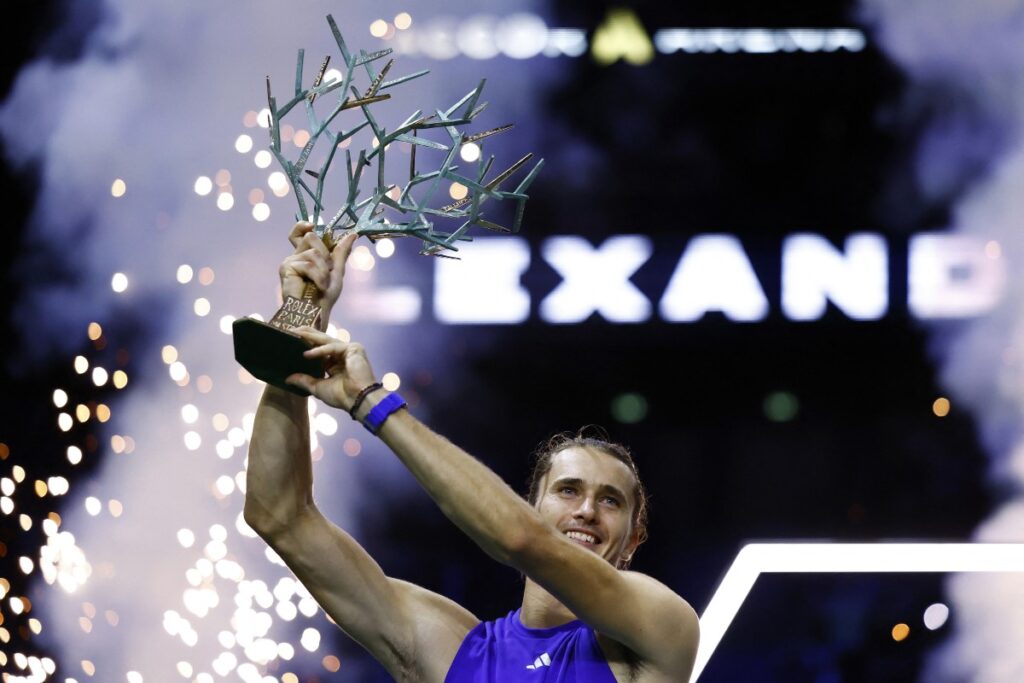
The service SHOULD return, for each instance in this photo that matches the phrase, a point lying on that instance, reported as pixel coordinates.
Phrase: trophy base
(272, 354)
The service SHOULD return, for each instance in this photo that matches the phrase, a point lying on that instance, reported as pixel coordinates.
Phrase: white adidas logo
(540, 662)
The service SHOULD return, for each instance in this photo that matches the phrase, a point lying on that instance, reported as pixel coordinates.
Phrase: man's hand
(314, 262)
(348, 369)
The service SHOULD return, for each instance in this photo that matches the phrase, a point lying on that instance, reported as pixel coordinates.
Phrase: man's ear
(626, 556)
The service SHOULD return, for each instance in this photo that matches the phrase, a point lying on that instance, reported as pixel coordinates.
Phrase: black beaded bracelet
(362, 397)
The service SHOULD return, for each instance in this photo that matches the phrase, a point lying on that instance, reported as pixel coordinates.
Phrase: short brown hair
(596, 438)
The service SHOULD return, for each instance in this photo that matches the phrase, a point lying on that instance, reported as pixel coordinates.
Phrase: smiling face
(587, 495)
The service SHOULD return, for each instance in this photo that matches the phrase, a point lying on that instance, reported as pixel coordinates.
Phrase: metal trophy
(269, 351)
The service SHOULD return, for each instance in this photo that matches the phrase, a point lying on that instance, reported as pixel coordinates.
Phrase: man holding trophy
(583, 618)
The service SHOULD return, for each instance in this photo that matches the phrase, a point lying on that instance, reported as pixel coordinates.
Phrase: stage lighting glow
(301, 138)
(222, 178)
(95, 331)
(99, 376)
(596, 280)
(332, 75)
(457, 190)
(206, 275)
(900, 632)
(714, 274)
(378, 28)
(118, 188)
(437, 39)
(203, 186)
(261, 212)
(403, 20)
(385, 247)
(120, 378)
(102, 412)
(475, 37)
(935, 616)
(119, 282)
(224, 449)
(60, 398)
(201, 306)
(243, 144)
(310, 639)
(262, 159)
(278, 183)
(629, 408)
(352, 447)
(65, 422)
(81, 364)
(74, 454)
(169, 354)
(571, 42)
(521, 35)
(940, 407)
(189, 413)
(361, 258)
(325, 423)
(220, 422)
(391, 381)
(177, 371)
(470, 152)
(815, 272)
(225, 323)
(225, 200)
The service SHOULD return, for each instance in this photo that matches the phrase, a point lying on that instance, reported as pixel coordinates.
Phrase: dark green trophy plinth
(271, 352)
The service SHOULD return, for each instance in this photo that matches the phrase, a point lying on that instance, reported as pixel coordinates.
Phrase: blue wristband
(382, 411)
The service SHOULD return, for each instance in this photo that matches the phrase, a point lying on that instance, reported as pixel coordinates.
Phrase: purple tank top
(505, 651)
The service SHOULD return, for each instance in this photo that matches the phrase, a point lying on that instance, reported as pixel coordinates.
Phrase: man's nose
(586, 508)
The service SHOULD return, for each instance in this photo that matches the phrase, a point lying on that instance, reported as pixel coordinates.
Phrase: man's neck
(541, 609)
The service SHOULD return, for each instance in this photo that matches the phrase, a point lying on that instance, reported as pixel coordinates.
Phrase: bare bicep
(408, 629)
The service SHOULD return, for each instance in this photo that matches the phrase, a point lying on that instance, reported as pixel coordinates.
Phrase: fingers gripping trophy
(311, 277)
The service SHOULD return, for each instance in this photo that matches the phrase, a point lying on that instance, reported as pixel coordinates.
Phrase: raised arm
(635, 610)
(392, 619)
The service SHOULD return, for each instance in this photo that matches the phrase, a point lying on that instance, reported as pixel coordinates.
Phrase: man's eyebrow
(614, 490)
(567, 481)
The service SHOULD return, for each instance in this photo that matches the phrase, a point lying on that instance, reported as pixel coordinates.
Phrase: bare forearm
(279, 476)
(476, 499)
